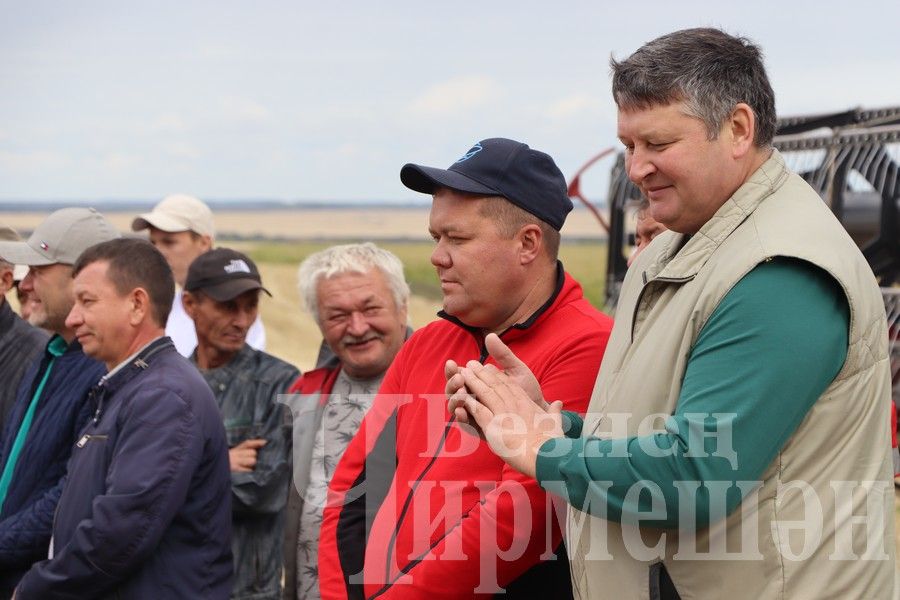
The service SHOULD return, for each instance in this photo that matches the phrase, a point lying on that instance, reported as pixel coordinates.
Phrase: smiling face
(49, 289)
(686, 176)
(102, 319)
(361, 321)
(476, 265)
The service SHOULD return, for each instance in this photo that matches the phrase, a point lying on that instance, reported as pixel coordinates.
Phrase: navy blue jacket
(27, 514)
(146, 509)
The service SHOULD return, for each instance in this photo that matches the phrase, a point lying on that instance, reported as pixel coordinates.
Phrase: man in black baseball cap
(500, 167)
(221, 296)
(495, 220)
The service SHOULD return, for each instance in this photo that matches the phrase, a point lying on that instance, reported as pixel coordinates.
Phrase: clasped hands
(506, 408)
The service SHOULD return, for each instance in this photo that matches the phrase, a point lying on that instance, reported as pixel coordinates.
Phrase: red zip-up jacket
(456, 521)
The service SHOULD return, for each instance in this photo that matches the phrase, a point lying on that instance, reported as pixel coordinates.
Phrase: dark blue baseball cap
(500, 167)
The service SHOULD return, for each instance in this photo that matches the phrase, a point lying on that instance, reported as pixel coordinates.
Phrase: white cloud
(117, 162)
(168, 123)
(183, 151)
(244, 109)
(456, 96)
(572, 106)
(39, 161)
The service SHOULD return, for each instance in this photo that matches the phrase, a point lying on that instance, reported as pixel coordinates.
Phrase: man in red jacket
(456, 522)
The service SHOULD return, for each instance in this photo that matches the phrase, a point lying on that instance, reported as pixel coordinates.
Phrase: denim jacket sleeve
(264, 490)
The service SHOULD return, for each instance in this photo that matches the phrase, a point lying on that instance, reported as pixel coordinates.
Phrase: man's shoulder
(170, 390)
(27, 336)
(573, 314)
(437, 328)
(265, 366)
(75, 361)
(171, 372)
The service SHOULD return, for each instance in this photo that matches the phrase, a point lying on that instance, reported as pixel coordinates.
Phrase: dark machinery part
(852, 159)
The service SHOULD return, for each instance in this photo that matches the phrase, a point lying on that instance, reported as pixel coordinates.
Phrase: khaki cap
(60, 238)
(178, 212)
(8, 234)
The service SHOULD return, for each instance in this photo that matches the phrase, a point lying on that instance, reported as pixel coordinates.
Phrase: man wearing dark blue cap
(456, 522)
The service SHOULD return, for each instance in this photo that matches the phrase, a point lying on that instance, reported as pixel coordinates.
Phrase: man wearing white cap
(181, 227)
(19, 341)
(51, 403)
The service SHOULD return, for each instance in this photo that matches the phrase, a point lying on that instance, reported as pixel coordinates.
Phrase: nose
(639, 166)
(27, 284)
(74, 318)
(358, 325)
(439, 256)
(244, 318)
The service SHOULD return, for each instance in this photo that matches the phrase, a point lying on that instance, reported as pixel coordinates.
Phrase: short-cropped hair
(134, 263)
(707, 69)
(509, 219)
(350, 258)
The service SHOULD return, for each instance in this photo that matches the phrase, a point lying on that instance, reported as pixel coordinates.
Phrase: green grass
(585, 261)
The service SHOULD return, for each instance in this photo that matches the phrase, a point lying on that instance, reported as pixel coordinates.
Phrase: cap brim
(229, 290)
(20, 253)
(159, 221)
(428, 179)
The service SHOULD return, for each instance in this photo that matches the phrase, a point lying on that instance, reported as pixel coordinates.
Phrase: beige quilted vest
(844, 438)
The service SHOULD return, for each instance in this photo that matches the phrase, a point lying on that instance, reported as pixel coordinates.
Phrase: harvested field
(327, 224)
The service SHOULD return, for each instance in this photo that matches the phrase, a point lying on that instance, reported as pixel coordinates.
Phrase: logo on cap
(237, 266)
(44, 246)
(472, 152)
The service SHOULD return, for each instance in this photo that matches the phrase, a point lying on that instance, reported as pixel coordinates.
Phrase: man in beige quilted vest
(735, 445)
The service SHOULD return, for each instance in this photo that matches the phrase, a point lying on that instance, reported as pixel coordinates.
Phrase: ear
(206, 243)
(140, 306)
(189, 301)
(742, 128)
(6, 281)
(531, 243)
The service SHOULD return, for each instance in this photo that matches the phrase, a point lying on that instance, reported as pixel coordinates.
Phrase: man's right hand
(243, 456)
(459, 396)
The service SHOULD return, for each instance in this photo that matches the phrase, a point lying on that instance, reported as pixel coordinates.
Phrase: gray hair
(708, 69)
(349, 258)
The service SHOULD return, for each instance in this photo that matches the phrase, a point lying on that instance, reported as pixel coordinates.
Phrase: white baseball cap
(178, 212)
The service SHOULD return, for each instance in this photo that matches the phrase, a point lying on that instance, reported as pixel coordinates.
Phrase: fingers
(478, 413)
(501, 353)
(481, 381)
(242, 458)
(455, 384)
(450, 369)
(254, 444)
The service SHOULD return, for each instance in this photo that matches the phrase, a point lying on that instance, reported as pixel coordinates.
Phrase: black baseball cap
(223, 274)
(501, 167)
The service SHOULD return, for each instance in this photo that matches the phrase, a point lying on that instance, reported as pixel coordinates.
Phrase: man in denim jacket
(222, 298)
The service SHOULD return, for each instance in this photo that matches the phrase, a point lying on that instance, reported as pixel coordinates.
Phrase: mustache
(353, 339)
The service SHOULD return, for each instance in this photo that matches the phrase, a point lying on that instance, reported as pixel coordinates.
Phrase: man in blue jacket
(146, 511)
(50, 406)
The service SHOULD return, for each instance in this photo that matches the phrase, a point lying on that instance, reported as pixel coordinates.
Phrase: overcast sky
(316, 100)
